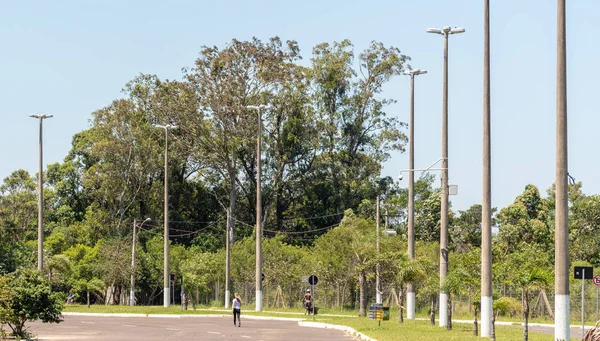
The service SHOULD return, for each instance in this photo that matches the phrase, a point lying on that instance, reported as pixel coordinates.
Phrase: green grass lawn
(389, 330)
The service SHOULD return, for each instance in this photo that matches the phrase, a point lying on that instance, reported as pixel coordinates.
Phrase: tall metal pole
(561, 237)
(410, 291)
(40, 251)
(166, 273)
(486, 207)
(444, 203)
(132, 281)
(583, 303)
(41, 203)
(258, 216)
(377, 266)
(227, 260)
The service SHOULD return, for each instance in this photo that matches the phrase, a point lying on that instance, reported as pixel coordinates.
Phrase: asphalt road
(184, 328)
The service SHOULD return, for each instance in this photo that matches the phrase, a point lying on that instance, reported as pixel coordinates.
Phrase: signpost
(312, 280)
(596, 280)
(583, 273)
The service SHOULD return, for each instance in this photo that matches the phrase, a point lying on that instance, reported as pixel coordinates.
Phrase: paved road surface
(184, 328)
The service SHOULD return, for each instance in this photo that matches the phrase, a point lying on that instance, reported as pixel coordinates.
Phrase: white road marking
(245, 336)
(88, 322)
(128, 325)
(172, 329)
(214, 333)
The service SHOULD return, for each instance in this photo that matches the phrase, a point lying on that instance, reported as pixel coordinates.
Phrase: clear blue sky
(70, 58)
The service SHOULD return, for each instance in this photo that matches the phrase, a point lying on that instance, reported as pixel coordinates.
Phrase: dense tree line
(324, 142)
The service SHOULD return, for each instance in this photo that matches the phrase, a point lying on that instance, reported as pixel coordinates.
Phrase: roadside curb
(346, 329)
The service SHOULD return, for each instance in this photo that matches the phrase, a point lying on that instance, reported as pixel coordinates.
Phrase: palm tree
(453, 285)
(408, 271)
(530, 280)
(93, 285)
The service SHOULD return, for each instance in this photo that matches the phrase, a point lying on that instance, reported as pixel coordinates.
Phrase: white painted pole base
(227, 293)
(562, 312)
(410, 305)
(486, 316)
(131, 298)
(167, 297)
(443, 310)
(258, 300)
(378, 298)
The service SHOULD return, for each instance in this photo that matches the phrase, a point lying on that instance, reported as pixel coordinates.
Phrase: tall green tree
(525, 222)
(227, 81)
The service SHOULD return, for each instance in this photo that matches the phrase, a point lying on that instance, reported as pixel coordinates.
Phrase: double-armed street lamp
(40, 265)
(132, 281)
(443, 302)
(166, 279)
(410, 292)
(258, 230)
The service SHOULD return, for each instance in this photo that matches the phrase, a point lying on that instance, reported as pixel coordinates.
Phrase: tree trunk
(352, 297)
(400, 303)
(361, 285)
(475, 327)
(87, 293)
(432, 311)
(525, 302)
(493, 336)
(449, 309)
(343, 294)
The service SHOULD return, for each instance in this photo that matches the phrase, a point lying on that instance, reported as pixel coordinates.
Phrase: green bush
(26, 296)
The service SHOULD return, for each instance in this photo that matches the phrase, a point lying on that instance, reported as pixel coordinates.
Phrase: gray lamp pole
(410, 291)
(227, 260)
(258, 230)
(561, 235)
(443, 303)
(377, 266)
(486, 203)
(132, 280)
(40, 267)
(166, 279)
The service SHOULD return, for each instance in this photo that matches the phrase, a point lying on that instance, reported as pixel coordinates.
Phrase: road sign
(305, 279)
(597, 280)
(584, 272)
(313, 280)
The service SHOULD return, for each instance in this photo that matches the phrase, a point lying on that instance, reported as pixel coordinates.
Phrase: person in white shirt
(237, 305)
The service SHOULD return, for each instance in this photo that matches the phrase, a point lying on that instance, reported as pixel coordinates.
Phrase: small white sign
(305, 279)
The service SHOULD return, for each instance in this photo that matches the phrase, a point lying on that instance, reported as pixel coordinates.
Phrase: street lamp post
(227, 259)
(410, 291)
(41, 117)
(377, 266)
(446, 31)
(166, 279)
(561, 235)
(258, 230)
(486, 202)
(132, 281)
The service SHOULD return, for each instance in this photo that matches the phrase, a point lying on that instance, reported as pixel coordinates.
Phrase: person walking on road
(237, 305)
